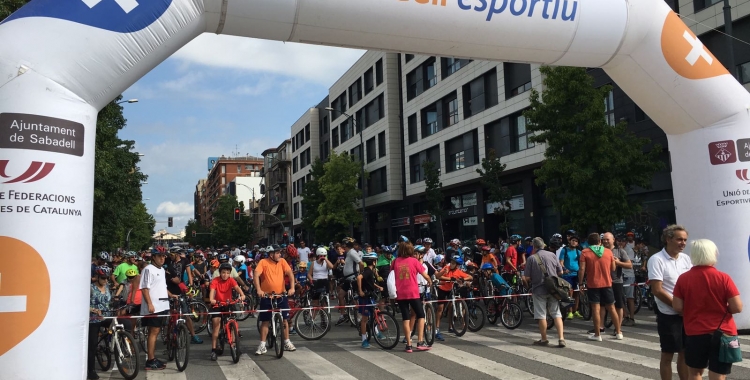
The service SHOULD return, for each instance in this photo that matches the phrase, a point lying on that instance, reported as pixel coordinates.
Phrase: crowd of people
(692, 297)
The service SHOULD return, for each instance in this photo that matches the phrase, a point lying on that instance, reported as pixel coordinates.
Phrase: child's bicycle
(230, 330)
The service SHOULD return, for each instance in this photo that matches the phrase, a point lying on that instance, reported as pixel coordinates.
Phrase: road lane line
(478, 363)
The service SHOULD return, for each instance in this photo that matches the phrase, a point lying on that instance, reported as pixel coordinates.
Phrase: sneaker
(569, 316)
(439, 337)
(451, 330)
(213, 356)
(288, 346)
(408, 349)
(381, 336)
(601, 330)
(619, 336)
(365, 344)
(628, 322)
(422, 346)
(593, 337)
(343, 319)
(261, 349)
(196, 340)
(561, 343)
(160, 363)
(153, 364)
(292, 331)
(578, 315)
(541, 343)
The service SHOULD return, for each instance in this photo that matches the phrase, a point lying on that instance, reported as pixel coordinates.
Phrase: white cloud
(174, 209)
(318, 64)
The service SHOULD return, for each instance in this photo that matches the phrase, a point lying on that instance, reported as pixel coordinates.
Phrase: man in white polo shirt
(663, 270)
(303, 252)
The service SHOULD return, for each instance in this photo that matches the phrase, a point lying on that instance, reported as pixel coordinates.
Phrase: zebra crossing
(492, 353)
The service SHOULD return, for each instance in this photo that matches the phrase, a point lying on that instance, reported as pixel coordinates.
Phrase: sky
(220, 95)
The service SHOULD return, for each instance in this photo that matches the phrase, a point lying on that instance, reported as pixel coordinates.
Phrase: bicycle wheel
(103, 355)
(245, 308)
(511, 315)
(199, 316)
(460, 318)
(352, 311)
(429, 324)
(529, 302)
(638, 299)
(475, 317)
(584, 306)
(126, 355)
(492, 313)
(312, 324)
(387, 328)
(234, 341)
(278, 346)
(182, 347)
(171, 345)
(140, 334)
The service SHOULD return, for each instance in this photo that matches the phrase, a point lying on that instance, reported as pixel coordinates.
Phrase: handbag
(556, 286)
(729, 345)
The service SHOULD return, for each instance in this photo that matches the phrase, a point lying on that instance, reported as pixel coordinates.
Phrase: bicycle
(474, 313)
(230, 331)
(120, 343)
(384, 328)
(175, 335)
(275, 337)
(313, 323)
(429, 317)
(458, 308)
(510, 314)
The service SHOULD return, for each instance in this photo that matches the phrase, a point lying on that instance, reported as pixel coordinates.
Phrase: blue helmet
(486, 266)
(370, 256)
(515, 238)
(223, 256)
(419, 248)
(458, 260)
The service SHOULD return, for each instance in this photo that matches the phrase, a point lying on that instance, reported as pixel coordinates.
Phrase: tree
(203, 234)
(434, 194)
(9, 6)
(491, 172)
(590, 166)
(140, 224)
(226, 230)
(312, 197)
(338, 185)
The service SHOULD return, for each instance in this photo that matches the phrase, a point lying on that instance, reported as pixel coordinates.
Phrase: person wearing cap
(269, 279)
(154, 305)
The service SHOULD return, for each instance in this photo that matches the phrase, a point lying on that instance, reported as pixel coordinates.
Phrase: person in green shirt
(385, 258)
(129, 262)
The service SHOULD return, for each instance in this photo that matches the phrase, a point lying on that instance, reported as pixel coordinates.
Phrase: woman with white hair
(707, 298)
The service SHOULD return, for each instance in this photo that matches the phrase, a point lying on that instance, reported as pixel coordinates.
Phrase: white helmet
(321, 252)
(240, 259)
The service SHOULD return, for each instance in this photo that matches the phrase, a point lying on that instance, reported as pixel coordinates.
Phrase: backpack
(556, 286)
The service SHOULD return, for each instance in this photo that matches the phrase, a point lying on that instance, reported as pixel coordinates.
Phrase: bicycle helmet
(225, 266)
(466, 250)
(438, 259)
(470, 263)
(486, 266)
(321, 252)
(571, 232)
(419, 248)
(527, 238)
(273, 248)
(103, 256)
(103, 271)
(370, 256)
(131, 273)
(130, 254)
(458, 260)
(486, 248)
(557, 236)
(418, 241)
(456, 242)
(404, 239)
(481, 242)
(515, 238)
(427, 241)
(262, 250)
(223, 256)
(240, 259)
(347, 240)
(215, 263)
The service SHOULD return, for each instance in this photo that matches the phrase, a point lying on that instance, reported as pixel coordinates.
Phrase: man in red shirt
(596, 266)
(221, 291)
(513, 260)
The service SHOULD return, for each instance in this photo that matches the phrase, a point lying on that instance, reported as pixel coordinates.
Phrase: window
(223, 169)
(461, 152)
(249, 167)
(371, 154)
(356, 153)
(379, 71)
(374, 111)
(296, 210)
(304, 158)
(307, 133)
(429, 120)
(326, 151)
(450, 110)
(421, 79)
(335, 137)
(355, 92)
(743, 72)
(517, 78)
(359, 118)
(346, 132)
(239, 169)
(377, 182)
(369, 82)
(408, 57)
(323, 129)
(609, 108)
(413, 84)
(440, 115)
(640, 115)
(431, 154)
(464, 200)
(451, 65)
(703, 4)
(522, 134)
(498, 137)
(412, 126)
(480, 94)
(381, 143)
(430, 73)
(339, 105)
(294, 165)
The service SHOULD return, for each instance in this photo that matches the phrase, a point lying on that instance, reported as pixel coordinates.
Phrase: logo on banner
(742, 175)
(123, 16)
(23, 301)
(685, 53)
(722, 152)
(36, 171)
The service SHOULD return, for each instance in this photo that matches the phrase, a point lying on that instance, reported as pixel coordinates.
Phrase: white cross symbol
(697, 51)
(12, 304)
(126, 5)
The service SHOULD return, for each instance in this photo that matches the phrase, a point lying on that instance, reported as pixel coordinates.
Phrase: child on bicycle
(221, 292)
(367, 287)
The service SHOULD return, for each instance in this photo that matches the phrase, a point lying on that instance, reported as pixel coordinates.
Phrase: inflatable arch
(63, 60)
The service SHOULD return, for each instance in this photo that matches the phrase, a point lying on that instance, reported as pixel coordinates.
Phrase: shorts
(671, 332)
(415, 304)
(155, 320)
(346, 284)
(366, 311)
(265, 304)
(628, 288)
(617, 290)
(603, 296)
(572, 279)
(702, 352)
(544, 303)
(443, 295)
(220, 309)
(319, 287)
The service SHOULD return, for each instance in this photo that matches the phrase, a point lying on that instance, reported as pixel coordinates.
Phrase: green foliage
(338, 187)
(589, 165)
(491, 172)
(203, 236)
(141, 226)
(9, 6)
(312, 197)
(434, 194)
(226, 230)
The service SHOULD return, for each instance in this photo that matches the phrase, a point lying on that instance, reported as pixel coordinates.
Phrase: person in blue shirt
(240, 267)
(528, 249)
(568, 256)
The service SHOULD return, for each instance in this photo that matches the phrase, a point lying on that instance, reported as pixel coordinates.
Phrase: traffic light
(193, 233)
(169, 222)
(236, 213)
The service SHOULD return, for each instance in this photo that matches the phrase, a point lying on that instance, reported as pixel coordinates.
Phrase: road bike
(504, 308)
(175, 335)
(230, 330)
(313, 323)
(115, 341)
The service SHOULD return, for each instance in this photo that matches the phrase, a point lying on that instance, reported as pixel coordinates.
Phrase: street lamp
(128, 101)
(362, 168)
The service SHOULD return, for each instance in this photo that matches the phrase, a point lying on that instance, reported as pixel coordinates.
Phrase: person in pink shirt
(406, 269)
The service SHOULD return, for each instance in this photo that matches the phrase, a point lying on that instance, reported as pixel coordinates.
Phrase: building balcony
(281, 158)
(277, 179)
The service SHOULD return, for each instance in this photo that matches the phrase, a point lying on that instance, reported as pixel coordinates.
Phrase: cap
(630, 233)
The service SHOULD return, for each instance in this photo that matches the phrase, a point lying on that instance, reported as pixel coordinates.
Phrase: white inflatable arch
(63, 60)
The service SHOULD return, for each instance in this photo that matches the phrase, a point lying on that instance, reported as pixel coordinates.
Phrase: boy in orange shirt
(221, 291)
(451, 272)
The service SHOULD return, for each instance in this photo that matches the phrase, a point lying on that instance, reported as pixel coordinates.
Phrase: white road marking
(489, 367)
(314, 366)
(246, 368)
(395, 365)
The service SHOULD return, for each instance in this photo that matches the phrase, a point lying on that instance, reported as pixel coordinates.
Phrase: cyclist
(100, 300)
(429, 256)
(239, 267)
(489, 258)
(351, 267)
(452, 249)
(101, 260)
(366, 286)
(155, 307)
(317, 274)
(406, 269)
(269, 279)
(221, 291)
(129, 262)
(175, 267)
(451, 272)
(569, 256)
(513, 260)
(385, 259)
(224, 258)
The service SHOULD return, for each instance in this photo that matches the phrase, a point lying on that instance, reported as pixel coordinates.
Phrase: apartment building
(275, 206)
(222, 171)
(306, 146)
